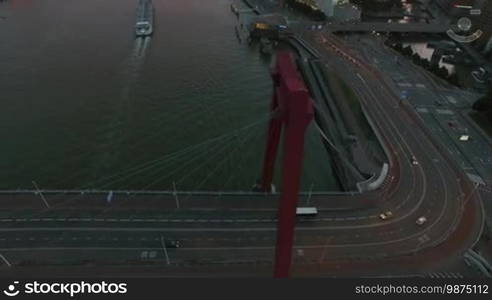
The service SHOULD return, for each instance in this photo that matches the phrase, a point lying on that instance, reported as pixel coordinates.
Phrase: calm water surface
(86, 105)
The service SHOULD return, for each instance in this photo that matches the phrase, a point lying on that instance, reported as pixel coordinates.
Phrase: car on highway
(421, 220)
(173, 244)
(282, 27)
(386, 215)
(414, 160)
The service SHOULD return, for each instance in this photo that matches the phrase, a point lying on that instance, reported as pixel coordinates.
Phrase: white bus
(306, 211)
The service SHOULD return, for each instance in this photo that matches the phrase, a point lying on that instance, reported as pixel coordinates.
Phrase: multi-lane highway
(235, 234)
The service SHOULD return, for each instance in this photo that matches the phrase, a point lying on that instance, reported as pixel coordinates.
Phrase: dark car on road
(172, 244)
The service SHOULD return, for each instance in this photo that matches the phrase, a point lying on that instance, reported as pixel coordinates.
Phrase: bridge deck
(153, 200)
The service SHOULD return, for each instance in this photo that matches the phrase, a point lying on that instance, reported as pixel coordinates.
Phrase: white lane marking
(182, 220)
(181, 249)
(136, 248)
(254, 238)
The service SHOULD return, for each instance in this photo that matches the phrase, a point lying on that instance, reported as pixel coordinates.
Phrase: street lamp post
(163, 243)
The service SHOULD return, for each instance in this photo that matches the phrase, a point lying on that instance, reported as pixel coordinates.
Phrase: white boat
(145, 18)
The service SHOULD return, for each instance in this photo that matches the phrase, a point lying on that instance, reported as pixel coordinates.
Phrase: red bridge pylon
(292, 111)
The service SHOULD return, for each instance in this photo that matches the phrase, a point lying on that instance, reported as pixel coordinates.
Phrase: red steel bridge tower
(292, 111)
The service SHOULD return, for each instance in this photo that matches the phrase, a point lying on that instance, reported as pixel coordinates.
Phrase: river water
(86, 105)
